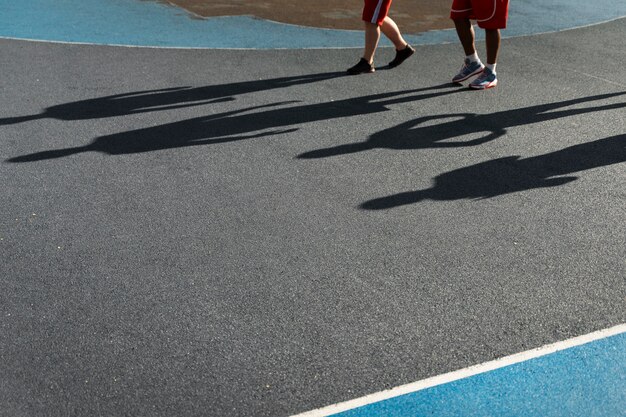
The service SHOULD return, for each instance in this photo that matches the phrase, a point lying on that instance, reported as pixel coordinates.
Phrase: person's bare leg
(471, 65)
(492, 40)
(488, 77)
(465, 31)
(390, 30)
(372, 36)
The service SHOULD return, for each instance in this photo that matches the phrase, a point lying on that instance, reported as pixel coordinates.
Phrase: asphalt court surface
(251, 233)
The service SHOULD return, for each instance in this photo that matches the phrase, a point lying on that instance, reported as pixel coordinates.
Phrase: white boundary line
(183, 48)
(466, 372)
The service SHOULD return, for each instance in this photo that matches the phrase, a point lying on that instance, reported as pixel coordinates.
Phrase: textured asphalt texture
(251, 233)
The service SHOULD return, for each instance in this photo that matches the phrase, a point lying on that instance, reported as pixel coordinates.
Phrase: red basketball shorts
(489, 14)
(375, 11)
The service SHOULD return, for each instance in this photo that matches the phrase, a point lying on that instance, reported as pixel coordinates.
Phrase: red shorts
(375, 11)
(489, 14)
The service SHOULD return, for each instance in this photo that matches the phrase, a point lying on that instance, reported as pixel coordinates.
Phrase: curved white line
(121, 45)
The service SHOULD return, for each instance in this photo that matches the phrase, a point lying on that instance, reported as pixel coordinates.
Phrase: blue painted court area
(147, 23)
(587, 380)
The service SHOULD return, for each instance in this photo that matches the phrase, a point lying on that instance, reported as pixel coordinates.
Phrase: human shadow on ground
(164, 99)
(512, 174)
(241, 124)
(420, 133)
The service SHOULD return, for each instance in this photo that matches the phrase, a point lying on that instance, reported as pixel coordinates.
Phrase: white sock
(473, 57)
(492, 67)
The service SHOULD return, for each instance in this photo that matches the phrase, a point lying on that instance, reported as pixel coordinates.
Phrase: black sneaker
(361, 67)
(401, 55)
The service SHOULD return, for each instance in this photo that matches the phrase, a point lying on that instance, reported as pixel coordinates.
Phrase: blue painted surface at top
(148, 23)
(584, 381)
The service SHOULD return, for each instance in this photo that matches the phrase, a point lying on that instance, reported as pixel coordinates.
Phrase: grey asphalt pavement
(252, 233)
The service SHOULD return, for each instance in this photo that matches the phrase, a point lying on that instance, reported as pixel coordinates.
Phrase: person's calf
(392, 32)
(372, 36)
(492, 42)
(465, 32)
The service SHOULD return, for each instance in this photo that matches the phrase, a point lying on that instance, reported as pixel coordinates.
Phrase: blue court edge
(149, 23)
(587, 380)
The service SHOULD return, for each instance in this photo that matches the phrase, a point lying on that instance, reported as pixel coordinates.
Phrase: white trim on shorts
(495, 7)
(377, 11)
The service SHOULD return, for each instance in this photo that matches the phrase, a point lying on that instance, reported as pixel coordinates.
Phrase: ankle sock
(492, 67)
(473, 57)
